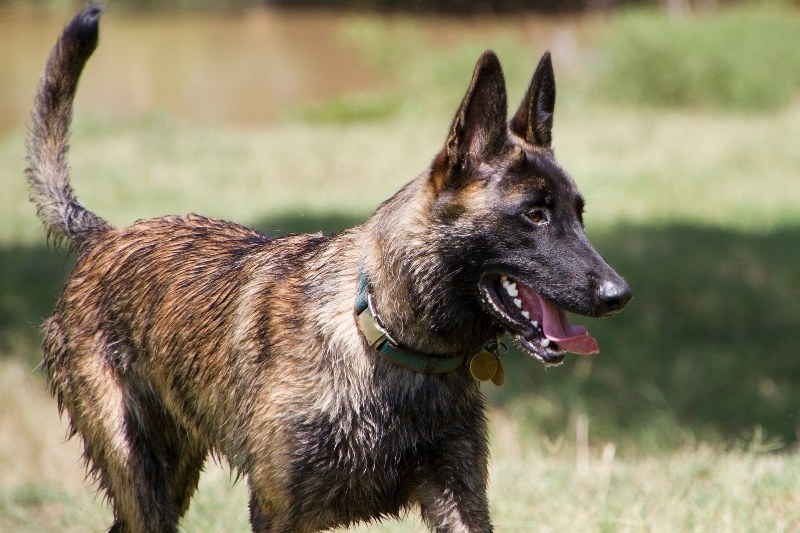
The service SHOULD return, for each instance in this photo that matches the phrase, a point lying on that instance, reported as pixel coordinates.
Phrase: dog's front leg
(454, 507)
(452, 485)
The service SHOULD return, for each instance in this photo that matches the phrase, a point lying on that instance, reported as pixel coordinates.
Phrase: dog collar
(484, 365)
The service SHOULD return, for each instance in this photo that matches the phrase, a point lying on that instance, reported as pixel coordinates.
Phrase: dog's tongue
(556, 326)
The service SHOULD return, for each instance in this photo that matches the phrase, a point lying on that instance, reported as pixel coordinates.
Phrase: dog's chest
(367, 460)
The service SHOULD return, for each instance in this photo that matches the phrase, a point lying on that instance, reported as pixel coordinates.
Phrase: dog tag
(499, 375)
(483, 366)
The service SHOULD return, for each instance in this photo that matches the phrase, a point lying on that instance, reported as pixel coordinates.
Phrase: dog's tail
(47, 171)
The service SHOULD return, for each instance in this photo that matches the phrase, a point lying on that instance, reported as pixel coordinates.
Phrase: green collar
(371, 326)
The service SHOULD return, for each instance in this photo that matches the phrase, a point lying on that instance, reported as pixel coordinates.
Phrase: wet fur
(182, 336)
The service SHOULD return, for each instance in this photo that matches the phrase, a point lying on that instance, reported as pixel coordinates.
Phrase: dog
(338, 374)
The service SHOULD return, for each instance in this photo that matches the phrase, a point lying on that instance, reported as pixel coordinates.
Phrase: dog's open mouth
(541, 328)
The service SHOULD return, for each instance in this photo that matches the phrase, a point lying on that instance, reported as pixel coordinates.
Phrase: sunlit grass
(537, 484)
(632, 166)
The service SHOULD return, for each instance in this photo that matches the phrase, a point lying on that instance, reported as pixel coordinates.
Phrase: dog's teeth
(545, 343)
(518, 302)
(535, 323)
(527, 315)
(504, 280)
(511, 289)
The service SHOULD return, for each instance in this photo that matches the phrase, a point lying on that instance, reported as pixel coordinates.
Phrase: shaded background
(678, 119)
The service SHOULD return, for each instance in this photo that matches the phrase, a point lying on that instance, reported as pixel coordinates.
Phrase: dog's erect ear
(534, 118)
(479, 127)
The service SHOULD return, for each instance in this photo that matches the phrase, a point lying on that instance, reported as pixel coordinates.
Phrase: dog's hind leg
(148, 465)
(144, 461)
(154, 483)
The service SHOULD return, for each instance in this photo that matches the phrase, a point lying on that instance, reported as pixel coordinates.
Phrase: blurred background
(678, 119)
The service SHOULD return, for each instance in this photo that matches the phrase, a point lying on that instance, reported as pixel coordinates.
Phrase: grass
(687, 421)
(537, 483)
(697, 384)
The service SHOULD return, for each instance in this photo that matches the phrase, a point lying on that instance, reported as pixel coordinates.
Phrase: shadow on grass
(709, 348)
(31, 278)
(710, 344)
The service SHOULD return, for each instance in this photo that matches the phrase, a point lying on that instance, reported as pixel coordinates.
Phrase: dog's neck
(418, 297)
(381, 339)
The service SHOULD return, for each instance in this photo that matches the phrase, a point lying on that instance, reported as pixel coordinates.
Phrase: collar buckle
(372, 327)
(377, 336)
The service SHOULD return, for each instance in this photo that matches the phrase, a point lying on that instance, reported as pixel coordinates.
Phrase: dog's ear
(534, 118)
(479, 127)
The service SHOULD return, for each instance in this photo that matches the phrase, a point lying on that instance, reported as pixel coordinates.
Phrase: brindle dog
(182, 336)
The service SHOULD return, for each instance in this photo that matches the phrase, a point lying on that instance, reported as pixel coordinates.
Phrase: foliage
(417, 83)
(740, 58)
(444, 6)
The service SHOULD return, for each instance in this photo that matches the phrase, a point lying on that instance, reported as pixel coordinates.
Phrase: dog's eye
(538, 216)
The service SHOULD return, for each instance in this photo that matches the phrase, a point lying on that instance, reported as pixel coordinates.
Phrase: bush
(743, 58)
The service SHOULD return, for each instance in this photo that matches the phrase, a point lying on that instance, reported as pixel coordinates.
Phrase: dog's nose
(613, 296)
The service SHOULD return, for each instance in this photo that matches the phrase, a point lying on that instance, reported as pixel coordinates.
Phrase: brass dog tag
(500, 375)
(483, 366)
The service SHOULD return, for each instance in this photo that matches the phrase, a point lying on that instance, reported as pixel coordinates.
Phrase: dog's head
(511, 218)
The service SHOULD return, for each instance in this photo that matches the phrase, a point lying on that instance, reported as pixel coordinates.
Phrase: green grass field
(688, 420)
